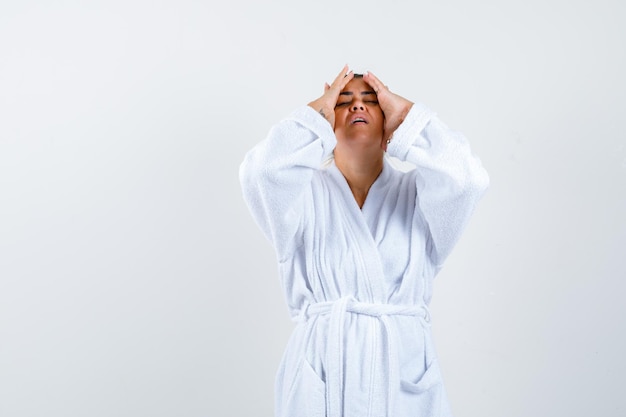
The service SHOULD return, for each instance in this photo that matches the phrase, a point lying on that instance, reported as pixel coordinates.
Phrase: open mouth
(359, 120)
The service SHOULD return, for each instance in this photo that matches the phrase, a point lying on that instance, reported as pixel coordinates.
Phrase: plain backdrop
(134, 282)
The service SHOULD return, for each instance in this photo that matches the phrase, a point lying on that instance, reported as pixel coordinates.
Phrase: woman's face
(357, 113)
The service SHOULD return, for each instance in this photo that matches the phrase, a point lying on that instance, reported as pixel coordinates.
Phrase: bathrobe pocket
(423, 394)
(430, 378)
(307, 397)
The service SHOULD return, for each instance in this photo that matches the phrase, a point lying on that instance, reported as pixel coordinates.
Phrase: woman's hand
(394, 107)
(325, 105)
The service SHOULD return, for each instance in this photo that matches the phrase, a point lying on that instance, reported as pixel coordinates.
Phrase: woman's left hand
(394, 107)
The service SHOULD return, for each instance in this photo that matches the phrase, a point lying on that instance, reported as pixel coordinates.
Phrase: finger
(341, 74)
(343, 78)
(370, 75)
(374, 82)
(326, 87)
(341, 83)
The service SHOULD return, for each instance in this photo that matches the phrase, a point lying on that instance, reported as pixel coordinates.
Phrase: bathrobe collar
(364, 235)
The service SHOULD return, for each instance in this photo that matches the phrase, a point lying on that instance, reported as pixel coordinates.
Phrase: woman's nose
(358, 107)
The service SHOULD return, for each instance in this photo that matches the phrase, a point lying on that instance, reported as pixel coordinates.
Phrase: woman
(359, 243)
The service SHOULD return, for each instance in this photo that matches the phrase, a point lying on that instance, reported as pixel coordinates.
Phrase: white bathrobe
(358, 281)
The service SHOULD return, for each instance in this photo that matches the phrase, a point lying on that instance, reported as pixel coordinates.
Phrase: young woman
(359, 243)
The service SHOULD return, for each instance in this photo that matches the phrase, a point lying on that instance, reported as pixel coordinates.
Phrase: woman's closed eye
(346, 103)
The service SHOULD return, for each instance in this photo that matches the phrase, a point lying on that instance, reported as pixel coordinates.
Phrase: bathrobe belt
(335, 350)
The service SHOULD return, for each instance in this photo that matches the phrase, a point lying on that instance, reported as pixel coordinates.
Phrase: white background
(133, 281)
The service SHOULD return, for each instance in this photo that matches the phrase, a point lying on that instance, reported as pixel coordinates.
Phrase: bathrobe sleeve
(449, 178)
(276, 174)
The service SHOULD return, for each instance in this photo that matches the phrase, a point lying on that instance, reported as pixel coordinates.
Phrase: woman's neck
(360, 171)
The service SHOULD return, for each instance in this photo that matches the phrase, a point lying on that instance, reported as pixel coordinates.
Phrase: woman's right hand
(325, 105)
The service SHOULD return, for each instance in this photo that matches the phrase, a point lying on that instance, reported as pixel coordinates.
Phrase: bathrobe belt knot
(335, 350)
